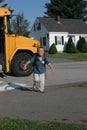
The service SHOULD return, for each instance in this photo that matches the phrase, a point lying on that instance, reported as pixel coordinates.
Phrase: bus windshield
(1, 26)
(13, 25)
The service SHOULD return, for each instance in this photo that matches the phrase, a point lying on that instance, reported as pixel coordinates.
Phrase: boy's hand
(52, 71)
(24, 67)
(51, 68)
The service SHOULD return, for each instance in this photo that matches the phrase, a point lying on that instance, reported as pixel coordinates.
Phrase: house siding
(52, 35)
(77, 36)
(40, 34)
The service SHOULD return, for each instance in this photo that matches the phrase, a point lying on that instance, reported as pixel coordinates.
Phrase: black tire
(17, 64)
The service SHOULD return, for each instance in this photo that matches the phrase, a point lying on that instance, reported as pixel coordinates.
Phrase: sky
(30, 8)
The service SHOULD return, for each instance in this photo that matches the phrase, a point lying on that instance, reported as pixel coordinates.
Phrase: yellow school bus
(15, 50)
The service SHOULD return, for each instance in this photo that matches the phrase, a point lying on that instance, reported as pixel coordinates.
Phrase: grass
(75, 56)
(18, 124)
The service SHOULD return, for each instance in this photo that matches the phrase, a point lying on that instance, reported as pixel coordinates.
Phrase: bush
(82, 45)
(70, 46)
(53, 49)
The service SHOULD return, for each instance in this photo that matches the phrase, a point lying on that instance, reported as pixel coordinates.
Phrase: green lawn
(76, 56)
(15, 124)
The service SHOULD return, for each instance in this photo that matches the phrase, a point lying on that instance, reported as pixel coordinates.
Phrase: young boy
(39, 61)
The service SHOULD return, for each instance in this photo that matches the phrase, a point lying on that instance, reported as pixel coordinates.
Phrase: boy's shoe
(42, 91)
(34, 87)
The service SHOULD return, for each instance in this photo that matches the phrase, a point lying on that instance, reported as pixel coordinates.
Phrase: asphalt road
(66, 72)
(62, 101)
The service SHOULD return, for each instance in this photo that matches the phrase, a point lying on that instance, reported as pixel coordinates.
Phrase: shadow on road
(12, 86)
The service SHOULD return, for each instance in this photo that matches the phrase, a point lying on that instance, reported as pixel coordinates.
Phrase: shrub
(82, 45)
(53, 49)
(70, 46)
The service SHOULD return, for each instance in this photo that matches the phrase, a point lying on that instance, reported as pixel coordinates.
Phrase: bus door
(2, 43)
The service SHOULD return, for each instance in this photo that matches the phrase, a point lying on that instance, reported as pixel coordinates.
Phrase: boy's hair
(39, 48)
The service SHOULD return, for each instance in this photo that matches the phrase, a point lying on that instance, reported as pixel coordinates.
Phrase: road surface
(62, 101)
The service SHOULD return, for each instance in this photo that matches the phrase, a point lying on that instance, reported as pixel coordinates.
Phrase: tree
(53, 49)
(67, 8)
(20, 25)
(2, 4)
(82, 45)
(70, 46)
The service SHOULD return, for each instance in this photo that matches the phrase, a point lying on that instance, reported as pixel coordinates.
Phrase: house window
(62, 40)
(37, 26)
(56, 40)
(41, 41)
(44, 41)
(59, 40)
(34, 27)
(73, 38)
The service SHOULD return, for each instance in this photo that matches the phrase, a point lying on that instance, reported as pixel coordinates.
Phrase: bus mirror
(18, 24)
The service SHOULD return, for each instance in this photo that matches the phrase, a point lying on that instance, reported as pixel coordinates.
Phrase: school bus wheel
(17, 64)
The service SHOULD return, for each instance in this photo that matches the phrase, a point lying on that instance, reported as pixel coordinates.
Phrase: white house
(49, 31)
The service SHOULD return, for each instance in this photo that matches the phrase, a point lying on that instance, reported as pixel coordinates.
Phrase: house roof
(73, 26)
